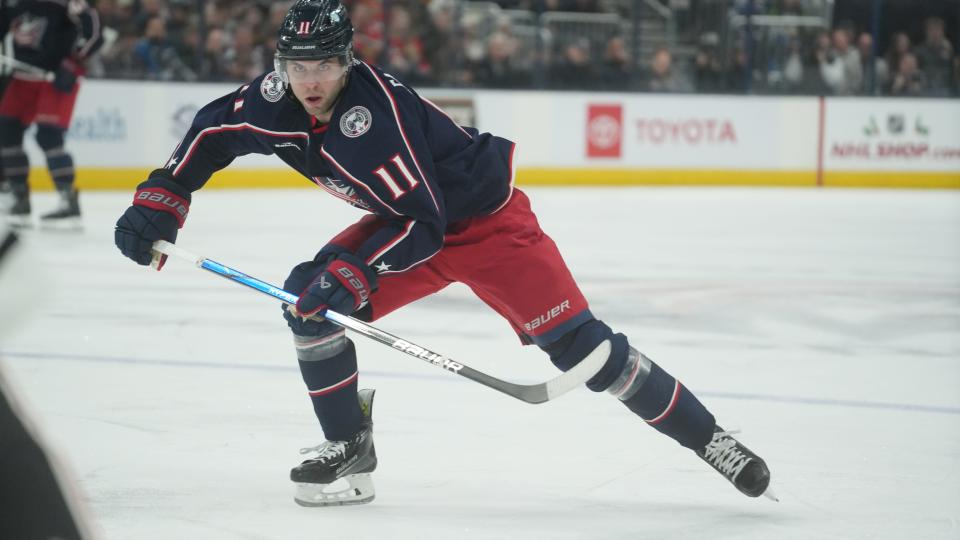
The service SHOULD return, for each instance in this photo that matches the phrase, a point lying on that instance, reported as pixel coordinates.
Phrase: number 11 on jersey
(391, 182)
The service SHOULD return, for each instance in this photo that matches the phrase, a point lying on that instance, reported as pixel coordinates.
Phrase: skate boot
(744, 469)
(15, 205)
(340, 474)
(67, 215)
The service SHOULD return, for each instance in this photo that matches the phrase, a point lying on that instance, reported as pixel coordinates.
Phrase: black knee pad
(49, 137)
(11, 132)
(576, 344)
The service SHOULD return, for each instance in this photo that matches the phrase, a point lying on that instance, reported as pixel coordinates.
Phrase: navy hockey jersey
(47, 32)
(386, 150)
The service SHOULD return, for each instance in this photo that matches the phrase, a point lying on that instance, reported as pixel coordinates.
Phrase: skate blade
(19, 222)
(73, 224)
(352, 489)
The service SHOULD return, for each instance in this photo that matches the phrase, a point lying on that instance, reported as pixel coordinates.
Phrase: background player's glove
(64, 79)
(159, 209)
(335, 279)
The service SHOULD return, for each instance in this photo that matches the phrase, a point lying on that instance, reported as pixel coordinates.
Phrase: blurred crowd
(847, 61)
(440, 43)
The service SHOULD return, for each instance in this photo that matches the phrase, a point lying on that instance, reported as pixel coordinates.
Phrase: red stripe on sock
(670, 407)
(334, 387)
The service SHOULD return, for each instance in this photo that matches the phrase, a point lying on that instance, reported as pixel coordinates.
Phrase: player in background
(55, 36)
(442, 209)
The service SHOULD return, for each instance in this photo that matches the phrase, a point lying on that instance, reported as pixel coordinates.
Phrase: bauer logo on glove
(343, 286)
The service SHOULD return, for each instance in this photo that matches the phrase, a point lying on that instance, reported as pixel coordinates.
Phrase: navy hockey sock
(643, 386)
(16, 167)
(576, 344)
(329, 368)
(663, 403)
(60, 164)
(50, 138)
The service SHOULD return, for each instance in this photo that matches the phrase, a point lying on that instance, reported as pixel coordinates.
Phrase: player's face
(317, 83)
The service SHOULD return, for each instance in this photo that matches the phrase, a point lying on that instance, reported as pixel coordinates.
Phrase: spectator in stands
(245, 60)
(182, 32)
(473, 49)
(736, 76)
(215, 14)
(368, 24)
(442, 40)
(708, 72)
(615, 70)
(878, 68)
(793, 69)
(935, 57)
(156, 57)
(212, 66)
(802, 68)
(498, 68)
(899, 46)
(405, 54)
(840, 67)
(118, 15)
(664, 76)
(116, 60)
(575, 69)
(908, 80)
(150, 9)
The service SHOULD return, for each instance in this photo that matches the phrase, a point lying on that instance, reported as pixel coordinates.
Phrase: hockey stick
(530, 393)
(27, 68)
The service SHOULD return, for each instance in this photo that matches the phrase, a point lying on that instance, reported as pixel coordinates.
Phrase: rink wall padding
(123, 129)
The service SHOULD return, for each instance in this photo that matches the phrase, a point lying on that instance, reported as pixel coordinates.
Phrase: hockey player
(443, 209)
(53, 37)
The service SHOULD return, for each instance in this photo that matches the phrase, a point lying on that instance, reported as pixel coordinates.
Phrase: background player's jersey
(386, 150)
(47, 32)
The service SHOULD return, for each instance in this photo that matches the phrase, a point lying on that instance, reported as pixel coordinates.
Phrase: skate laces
(326, 450)
(722, 453)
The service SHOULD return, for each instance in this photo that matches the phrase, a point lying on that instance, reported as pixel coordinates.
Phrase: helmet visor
(308, 71)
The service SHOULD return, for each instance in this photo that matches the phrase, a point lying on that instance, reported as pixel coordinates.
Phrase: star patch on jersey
(356, 122)
(272, 87)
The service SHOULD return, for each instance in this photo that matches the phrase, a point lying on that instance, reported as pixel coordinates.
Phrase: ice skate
(744, 469)
(15, 207)
(340, 474)
(67, 215)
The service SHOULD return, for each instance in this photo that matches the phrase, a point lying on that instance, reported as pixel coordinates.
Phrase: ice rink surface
(824, 324)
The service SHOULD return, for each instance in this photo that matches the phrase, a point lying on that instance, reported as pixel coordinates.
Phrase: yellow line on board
(661, 177)
(128, 178)
(946, 180)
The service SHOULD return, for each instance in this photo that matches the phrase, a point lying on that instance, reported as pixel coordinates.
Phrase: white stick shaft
(534, 393)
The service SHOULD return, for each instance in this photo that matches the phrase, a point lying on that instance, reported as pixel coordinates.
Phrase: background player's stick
(532, 393)
(27, 68)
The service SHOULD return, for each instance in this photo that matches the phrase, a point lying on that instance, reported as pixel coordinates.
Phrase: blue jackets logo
(272, 87)
(356, 122)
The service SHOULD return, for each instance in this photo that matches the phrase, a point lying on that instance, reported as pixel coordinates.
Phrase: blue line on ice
(10, 355)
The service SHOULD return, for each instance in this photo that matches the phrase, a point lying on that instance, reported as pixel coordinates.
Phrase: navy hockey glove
(343, 285)
(64, 79)
(159, 209)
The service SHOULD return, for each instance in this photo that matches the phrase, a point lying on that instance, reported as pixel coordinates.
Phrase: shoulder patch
(272, 88)
(356, 122)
